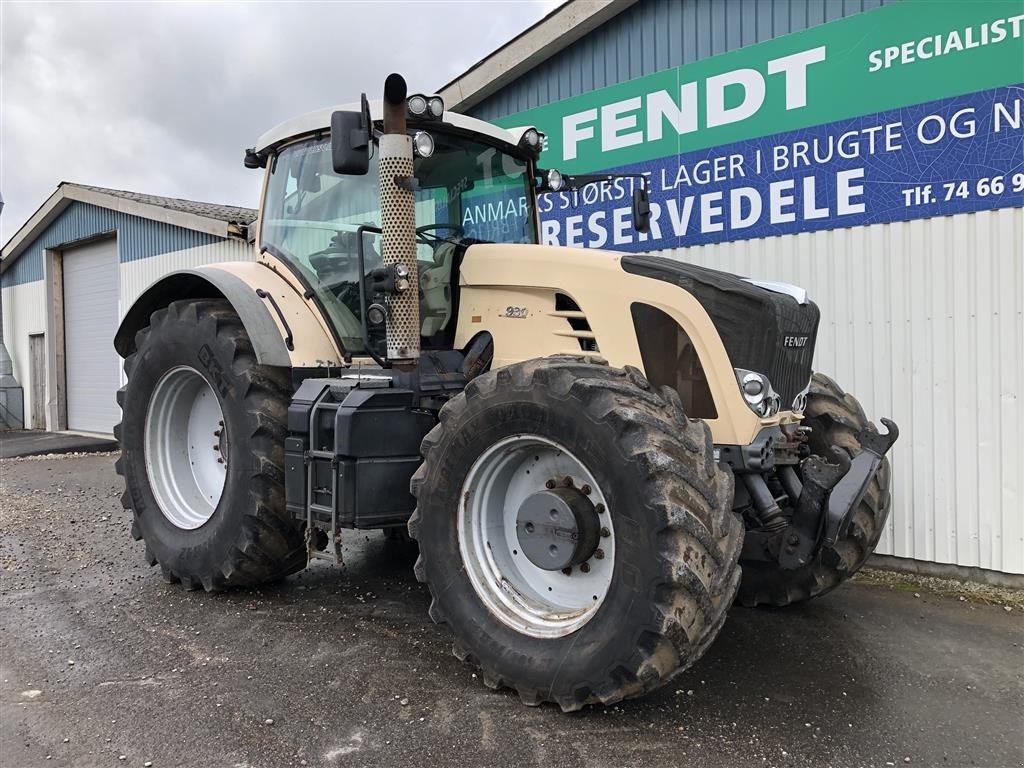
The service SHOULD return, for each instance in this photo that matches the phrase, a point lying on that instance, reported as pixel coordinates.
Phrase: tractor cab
(472, 183)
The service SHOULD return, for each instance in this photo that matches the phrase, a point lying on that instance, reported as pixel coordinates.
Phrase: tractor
(596, 453)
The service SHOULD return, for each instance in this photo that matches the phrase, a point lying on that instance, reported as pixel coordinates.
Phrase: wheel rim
(186, 448)
(530, 599)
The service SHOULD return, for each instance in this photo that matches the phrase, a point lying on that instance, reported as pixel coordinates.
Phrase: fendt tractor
(596, 453)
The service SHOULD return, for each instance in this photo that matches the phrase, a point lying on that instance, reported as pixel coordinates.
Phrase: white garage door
(90, 320)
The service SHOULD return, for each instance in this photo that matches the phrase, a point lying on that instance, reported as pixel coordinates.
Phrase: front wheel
(575, 531)
(202, 451)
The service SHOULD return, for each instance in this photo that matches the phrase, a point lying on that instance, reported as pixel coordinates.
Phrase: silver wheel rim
(529, 599)
(185, 445)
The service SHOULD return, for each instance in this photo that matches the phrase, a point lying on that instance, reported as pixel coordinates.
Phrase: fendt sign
(621, 121)
(908, 111)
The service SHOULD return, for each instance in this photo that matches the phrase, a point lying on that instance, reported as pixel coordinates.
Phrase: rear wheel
(835, 418)
(202, 450)
(575, 531)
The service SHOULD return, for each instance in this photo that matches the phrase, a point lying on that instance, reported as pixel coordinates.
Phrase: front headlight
(758, 393)
(423, 144)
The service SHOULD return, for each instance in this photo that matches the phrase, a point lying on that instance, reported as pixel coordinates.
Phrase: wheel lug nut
(549, 484)
(599, 507)
(216, 447)
(585, 489)
(605, 533)
(585, 567)
(567, 482)
(567, 571)
(216, 433)
(599, 554)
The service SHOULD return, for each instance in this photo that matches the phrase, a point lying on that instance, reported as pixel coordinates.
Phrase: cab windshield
(468, 191)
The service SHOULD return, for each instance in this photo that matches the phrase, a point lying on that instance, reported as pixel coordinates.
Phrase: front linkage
(818, 498)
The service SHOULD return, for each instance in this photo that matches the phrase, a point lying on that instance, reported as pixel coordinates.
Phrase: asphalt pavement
(103, 664)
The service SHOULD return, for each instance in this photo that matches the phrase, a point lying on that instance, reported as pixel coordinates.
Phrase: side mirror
(641, 210)
(350, 141)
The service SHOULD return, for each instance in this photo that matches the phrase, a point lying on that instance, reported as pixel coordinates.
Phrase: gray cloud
(163, 97)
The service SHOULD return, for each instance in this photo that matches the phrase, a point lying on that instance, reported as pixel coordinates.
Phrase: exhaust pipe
(398, 226)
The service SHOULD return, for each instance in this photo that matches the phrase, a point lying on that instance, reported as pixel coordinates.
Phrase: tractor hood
(769, 328)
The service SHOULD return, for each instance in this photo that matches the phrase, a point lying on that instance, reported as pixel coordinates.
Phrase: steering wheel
(435, 240)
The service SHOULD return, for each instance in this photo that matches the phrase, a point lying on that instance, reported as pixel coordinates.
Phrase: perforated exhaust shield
(398, 224)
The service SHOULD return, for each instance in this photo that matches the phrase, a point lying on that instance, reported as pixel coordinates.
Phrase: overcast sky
(163, 98)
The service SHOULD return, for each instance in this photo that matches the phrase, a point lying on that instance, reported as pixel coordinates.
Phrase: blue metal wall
(137, 238)
(655, 35)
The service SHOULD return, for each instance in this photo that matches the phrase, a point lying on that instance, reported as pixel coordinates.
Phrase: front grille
(787, 368)
(753, 322)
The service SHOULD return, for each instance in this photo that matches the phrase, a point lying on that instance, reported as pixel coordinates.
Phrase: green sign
(908, 53)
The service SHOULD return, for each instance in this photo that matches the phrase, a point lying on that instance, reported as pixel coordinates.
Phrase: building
(72, 271)
(870, 151)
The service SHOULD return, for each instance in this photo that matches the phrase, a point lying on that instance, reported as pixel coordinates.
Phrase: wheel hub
(507, 531)
(557, 528)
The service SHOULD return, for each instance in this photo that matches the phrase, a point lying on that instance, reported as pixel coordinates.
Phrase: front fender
(270, 309)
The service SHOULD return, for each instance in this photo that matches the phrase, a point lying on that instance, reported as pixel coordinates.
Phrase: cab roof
(320, 120)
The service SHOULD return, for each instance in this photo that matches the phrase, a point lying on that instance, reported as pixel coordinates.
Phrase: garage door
(90, 320)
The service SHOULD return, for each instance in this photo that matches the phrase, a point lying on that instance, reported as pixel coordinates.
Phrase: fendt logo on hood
(797, 341)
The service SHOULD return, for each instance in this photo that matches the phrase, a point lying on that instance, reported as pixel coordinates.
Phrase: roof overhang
(555, 32)
(68, 193)
(320, 120)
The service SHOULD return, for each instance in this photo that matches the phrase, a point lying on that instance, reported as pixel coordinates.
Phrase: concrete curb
(946, 571)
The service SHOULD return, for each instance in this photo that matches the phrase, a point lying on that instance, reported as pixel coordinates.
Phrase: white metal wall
(922, 321)
(24, 309)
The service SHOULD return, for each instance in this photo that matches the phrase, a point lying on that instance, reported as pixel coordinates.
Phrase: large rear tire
(202, 451)
(835, 418)
(643, 609)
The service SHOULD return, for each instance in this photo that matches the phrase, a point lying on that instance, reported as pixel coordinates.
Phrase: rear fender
(286, 330)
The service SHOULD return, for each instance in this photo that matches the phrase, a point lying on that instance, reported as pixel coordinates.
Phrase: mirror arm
(641, 195)
(582, 179)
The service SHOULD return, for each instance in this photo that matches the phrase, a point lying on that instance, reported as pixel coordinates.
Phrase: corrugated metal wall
(655, 35)
(923, 321)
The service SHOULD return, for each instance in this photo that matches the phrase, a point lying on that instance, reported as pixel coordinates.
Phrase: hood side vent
(578, 327)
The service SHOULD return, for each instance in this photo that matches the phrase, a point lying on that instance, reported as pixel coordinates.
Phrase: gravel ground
(103, 664)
